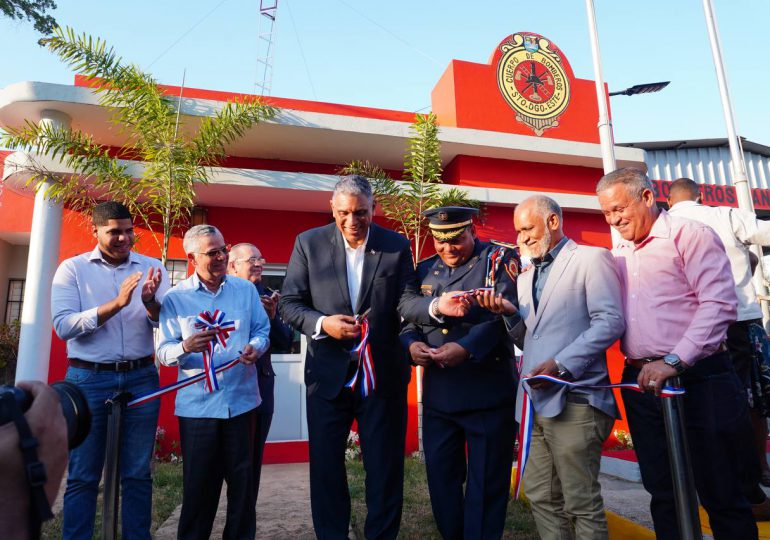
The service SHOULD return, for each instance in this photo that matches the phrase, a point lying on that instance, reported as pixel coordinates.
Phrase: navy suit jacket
(316, 285)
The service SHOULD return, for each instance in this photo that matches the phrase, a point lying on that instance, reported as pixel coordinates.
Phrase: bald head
(538, 222)
(683, 189)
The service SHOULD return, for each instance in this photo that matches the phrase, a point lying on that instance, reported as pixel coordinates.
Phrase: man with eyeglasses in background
(216, 426)
(246, 262)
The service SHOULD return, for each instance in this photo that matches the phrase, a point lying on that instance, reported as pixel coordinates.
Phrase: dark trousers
(715, 412)
(742, 354)
(479, 513)
(264, 421)
(382, 431)
(214, 449)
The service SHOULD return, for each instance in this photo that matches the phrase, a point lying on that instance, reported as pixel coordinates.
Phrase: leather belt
(126, 365)
(639, 363)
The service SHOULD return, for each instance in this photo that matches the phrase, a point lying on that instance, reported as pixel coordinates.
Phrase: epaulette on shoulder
(503, 244)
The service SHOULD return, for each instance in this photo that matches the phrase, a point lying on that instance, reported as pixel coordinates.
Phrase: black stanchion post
(115, 407)
(685, 497)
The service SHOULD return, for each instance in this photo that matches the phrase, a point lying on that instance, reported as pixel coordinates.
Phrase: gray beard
(539, 250)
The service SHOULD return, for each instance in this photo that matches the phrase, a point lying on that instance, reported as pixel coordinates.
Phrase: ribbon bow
(363, 354)
(213, 321)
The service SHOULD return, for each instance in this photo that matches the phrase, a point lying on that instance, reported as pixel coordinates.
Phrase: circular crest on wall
(534, 79)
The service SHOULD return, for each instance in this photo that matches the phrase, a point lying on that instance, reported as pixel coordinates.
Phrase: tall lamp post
(740, 177)
(673, 416)
(647, 88)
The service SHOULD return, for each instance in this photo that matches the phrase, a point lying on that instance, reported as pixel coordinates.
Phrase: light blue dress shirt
(85, 282)
(238, 391)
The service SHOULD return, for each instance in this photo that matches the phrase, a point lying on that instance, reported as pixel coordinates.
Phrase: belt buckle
(122, 366)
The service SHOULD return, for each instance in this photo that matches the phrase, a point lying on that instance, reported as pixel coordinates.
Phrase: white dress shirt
(738, 229)
(83, 283)
(354, 263)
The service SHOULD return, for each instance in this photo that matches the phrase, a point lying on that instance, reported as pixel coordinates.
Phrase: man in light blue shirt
(216, 426)
(104, 303)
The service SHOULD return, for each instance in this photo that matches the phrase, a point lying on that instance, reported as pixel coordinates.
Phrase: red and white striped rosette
(213, 321)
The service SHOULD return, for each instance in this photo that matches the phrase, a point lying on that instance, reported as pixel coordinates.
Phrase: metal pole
(685, 500)
(740, 177)
(673, 417)
(606, 137)
(115, 407)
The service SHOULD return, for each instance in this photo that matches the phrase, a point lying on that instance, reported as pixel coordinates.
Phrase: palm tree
(420, 187)
(163, 195)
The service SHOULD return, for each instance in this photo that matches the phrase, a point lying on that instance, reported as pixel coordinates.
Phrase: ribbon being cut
(213, 321)
(362, 354)
(528, 416)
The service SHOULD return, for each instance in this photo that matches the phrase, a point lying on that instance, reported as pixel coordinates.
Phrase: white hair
(192, 237)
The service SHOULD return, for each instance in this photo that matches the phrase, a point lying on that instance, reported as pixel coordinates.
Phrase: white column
(36, 324)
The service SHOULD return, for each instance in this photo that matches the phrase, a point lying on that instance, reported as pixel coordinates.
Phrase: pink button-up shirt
(678, 292)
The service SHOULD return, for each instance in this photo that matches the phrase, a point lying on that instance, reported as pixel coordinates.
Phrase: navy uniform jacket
(486, 379)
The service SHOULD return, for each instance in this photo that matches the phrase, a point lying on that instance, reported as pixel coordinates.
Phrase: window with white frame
(15, 300)
(177, 270)
(272, 279)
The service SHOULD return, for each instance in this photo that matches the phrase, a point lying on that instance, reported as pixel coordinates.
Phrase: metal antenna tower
(265, 46)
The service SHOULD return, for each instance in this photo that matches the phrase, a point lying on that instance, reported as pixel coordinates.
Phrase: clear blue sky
(390, 54)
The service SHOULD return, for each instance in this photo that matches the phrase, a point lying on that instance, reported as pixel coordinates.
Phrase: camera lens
(76, 412)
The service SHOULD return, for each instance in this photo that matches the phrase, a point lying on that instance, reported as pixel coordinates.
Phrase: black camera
(73, 405)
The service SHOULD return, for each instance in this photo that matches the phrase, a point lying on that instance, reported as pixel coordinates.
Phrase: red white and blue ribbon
(180, 384)
(213, 321)
(528, 416)
(494, 259)
(364, 374)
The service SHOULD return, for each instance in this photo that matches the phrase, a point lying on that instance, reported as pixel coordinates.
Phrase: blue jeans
(87, 460)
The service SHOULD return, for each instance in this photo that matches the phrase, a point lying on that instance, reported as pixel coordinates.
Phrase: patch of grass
(166, 496)
(417, 521)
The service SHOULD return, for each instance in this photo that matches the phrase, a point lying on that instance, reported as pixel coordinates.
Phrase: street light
(648, 88)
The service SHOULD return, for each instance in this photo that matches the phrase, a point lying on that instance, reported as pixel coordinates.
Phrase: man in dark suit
(469, 384)
(246, 262)
(337, 274)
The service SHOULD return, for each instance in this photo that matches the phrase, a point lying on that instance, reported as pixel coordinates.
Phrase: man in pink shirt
(678, 300)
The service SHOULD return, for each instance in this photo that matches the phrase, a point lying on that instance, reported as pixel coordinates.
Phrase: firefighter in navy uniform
(469, 384)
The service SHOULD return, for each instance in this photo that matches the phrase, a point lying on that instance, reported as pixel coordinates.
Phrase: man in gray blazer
(569, 314)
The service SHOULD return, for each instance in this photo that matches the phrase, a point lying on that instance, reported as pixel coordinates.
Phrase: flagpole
(673, 415)
(606, 136)
(740, 178)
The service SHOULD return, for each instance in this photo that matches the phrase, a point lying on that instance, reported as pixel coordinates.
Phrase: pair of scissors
(363, 315)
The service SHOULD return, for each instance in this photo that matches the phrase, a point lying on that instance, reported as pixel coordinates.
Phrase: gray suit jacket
(578, 317)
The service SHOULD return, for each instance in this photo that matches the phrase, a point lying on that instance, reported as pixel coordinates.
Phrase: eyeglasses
(253, 260)
(211, 254)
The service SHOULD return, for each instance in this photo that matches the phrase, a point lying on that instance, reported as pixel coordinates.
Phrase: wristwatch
(562, 372)
(675, 362)
(434, 310)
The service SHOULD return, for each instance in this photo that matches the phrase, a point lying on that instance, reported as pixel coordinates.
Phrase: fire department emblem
(533, 81)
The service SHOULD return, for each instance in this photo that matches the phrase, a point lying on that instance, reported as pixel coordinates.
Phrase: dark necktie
(540, 266)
